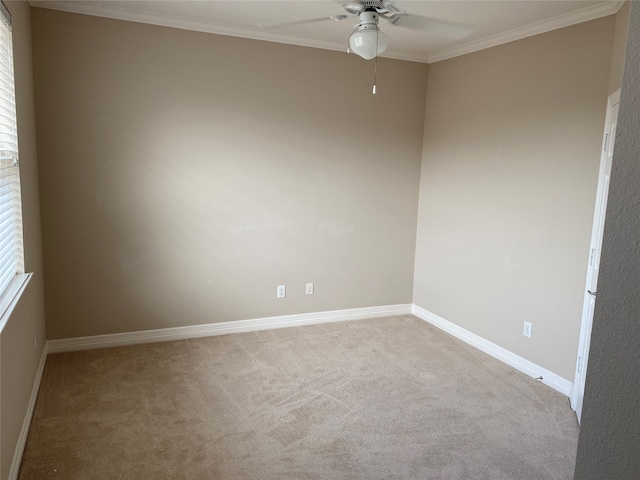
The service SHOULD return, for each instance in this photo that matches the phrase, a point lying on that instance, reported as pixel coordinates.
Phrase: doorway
(606, 157)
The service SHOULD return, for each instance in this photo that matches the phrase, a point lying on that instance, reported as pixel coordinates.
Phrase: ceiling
(494, 21)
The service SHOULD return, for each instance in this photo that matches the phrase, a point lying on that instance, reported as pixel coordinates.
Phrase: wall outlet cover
(527, 329)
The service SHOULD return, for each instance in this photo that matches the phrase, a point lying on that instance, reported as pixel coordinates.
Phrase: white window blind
(11, 250)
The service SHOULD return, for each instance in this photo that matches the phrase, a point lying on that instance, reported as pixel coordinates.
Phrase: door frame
(577, 390)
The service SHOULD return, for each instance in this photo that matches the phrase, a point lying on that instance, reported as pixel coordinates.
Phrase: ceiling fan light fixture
(368, 41)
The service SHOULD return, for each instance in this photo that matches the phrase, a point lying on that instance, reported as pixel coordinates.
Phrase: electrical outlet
(309, 289)
(281, 292)
(527, 329)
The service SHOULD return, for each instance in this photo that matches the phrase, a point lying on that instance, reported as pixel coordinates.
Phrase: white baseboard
(177, 333)
(211, 329)
(14, 469)
(180, 333)
(525, 366)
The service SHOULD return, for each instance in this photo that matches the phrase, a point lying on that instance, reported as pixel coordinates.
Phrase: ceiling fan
(367, 40)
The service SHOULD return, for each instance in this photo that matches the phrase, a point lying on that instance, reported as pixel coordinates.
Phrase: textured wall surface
(19, 360)
(509, 176)
(610, 431)
(185, 175)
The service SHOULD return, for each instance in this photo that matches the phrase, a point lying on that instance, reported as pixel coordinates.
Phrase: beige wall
(619, 44)
(185, 175)
(510, 164)
(19, 360)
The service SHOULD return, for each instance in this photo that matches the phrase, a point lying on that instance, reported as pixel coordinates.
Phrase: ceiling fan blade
(440, 28)
(354, 7)
(390, 7)
(300, 22)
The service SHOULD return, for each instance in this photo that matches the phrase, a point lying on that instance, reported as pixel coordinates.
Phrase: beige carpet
(389, 398)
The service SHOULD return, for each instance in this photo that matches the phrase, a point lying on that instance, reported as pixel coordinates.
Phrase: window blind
(11, 250)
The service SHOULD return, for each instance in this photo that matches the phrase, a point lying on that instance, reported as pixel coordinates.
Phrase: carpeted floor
(388, 398)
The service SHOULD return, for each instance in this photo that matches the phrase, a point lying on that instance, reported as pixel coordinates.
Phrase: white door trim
(577, 391)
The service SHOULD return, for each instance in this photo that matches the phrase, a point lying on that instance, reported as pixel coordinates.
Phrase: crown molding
(579, 16)
(589, 13)
(181, 23)
(205, 27)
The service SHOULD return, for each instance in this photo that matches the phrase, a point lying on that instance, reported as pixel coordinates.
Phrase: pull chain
(375, 64)
(375, 74)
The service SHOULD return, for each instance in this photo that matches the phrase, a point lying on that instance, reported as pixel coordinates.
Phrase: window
(12, 276)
